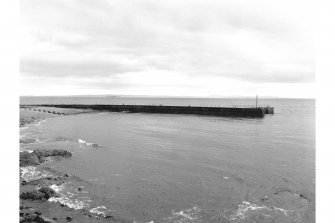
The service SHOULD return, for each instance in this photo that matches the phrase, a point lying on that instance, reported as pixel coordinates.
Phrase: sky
(198, 48)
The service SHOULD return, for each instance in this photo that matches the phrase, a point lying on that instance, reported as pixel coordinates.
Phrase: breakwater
(255, 112)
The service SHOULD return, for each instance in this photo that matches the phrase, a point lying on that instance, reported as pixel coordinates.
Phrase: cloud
(250, 42)
(78, 69)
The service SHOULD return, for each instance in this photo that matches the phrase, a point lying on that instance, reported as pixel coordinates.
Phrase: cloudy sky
(167, 47)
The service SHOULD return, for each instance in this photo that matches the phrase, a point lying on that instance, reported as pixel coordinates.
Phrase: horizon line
(170, 96)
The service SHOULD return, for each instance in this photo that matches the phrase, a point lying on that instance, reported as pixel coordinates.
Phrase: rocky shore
(35, 194)
(33, 114)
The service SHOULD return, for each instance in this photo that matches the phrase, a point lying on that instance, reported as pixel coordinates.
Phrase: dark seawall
(253, 112)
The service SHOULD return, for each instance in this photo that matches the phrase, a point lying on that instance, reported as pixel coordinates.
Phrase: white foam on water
(70, 197)
(281, 210)
(57, 188)
(40, 122)
(244, 209)
(22, 131)
(22, 128)
(75, 204)
(30, 173)
(27, 150)
(88, 143)
(184, 216)
(101, 210)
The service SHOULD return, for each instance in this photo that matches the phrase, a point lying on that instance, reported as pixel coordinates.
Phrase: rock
(47, 181)
(28, 159)
(66, 175)
(60, 152)
(42, 219)
(48, 192)
(46, 159)
(32, 195)
(44, 155)
(24, 182)
(42, 194)
(118, 219)
(68, 218)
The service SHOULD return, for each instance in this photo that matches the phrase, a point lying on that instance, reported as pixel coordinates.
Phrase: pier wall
(257, 112)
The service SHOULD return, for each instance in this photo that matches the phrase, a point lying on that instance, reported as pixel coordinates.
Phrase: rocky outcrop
(46, 181)
(43, 193)
(28, 214)
(48, 192)
(39, 156)
(32, 195)
(28, 159)
(47, 153)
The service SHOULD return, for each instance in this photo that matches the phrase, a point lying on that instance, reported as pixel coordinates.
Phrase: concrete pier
(252, 112)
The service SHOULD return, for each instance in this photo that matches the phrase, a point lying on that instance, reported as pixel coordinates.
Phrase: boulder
(48, 192)
(28, 159)
(42, 194)
(36, 218)
(56, 152)
(32, 195)
(46, 155)
(60, 152)
(46, 181)
(40, 153)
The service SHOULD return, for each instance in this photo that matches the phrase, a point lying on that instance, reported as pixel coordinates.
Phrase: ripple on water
(184, 216)
(252, 212)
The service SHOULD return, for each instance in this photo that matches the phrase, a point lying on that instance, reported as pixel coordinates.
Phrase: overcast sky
(166, 47)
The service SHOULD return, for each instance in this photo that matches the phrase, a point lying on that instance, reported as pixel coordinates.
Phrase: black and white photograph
(166, 111)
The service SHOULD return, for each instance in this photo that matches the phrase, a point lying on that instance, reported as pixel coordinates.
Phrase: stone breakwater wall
(253, 112)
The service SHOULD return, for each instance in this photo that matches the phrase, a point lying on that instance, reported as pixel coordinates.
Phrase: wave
(184, 216)
(77, 199)
(244, 209)
(247, 210)
(40, 122)
(101, 211)
(88, 143)
(30, 173)
(70, 196)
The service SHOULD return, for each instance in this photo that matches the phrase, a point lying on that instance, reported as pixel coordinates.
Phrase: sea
(182, 168)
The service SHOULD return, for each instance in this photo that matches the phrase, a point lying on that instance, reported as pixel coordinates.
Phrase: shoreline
(30, 115)
(38, 197)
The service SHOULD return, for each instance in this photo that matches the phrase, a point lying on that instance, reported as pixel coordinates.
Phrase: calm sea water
(184, 168)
